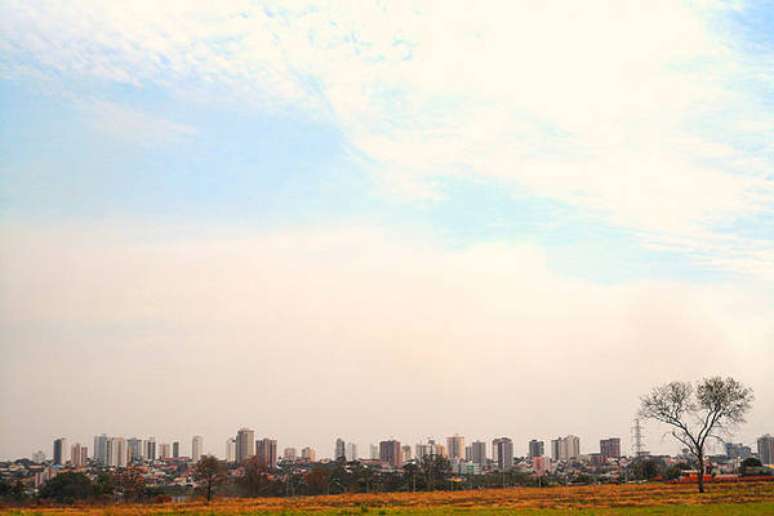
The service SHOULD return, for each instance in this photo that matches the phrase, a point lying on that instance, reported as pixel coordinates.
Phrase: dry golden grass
(558, 498)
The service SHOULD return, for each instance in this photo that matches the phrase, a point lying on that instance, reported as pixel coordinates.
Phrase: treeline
(107, 486)
(290, 479)
(657, 469)
(212, 477)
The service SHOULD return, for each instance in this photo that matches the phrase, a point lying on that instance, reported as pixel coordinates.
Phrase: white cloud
(602, 106)
(133, 125)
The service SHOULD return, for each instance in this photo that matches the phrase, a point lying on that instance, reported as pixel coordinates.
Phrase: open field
(655, 498)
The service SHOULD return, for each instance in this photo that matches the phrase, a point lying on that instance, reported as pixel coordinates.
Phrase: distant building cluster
(563, 458)
(117, 452)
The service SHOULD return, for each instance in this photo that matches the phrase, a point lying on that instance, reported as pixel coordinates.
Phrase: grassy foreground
(645, 499)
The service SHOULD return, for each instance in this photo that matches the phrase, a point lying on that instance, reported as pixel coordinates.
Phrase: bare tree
(708, 410)
(210, 473)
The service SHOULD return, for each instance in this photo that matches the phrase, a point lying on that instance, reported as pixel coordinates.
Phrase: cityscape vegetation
(132, 471)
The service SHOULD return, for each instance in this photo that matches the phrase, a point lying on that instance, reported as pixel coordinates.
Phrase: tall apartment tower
(150, 449)
(123, 452)
(438, 449)
(245, 444)
(536, 449)
(308, 454)
(135, 449)
(230, 450)
(555, 448)
(266, 449)
(420, 451)
(406, 452)
(766, 449)
(197, 447)
(572, 447)
(289, 454)
(390, 452)
(61, 452)
(175, 449)
(566, 448)
(455, 446)
(351, 452)
(77, 458)
(610, 448)
(100, 449)
(502, 453)
(478, 452)
(340, 451)
(373, 452)
(165, 451)
(117, 452)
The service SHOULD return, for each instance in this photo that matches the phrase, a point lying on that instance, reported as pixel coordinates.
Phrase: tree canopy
(210, 473)
(708, 410)
(67, 488)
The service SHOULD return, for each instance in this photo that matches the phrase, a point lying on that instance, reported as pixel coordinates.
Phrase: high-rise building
(438, 450)
(502, 453)
(555, 448)
(289, 454)
(266, 449)
(117, 452)
(609, 448)
(390, 452)
(135, 449)
(340, 451)
(406, 452)
(536, 448)
(78, 455)
(572, 447)
(61, 452)
(455, 446)
(738, 451)
(421, 451)
(100, 449)
(39, 457)
(566, 448)
(308, 454)
(176, 449)
(150, 449)
(373, 452)
(230, 450)
(766, 449)
(245, 444)
(165, 451)
(478, 452)
(351, 452)
(197, 447)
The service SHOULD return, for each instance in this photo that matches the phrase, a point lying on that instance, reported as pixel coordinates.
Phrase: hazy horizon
(373, 220)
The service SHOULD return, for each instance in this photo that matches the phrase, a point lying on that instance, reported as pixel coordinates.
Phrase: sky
(370, 220)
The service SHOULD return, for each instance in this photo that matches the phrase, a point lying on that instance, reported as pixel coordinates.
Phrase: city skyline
(561, 448)
(379, 220)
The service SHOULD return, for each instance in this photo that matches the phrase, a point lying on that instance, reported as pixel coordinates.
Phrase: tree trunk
(701, 473)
